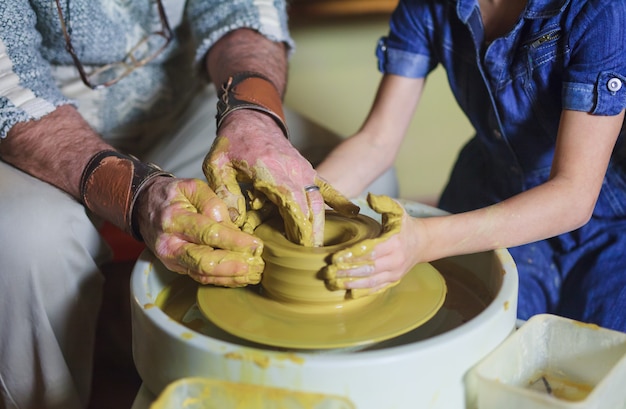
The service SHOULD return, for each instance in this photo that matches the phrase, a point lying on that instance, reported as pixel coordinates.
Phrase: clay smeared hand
(188, 228)
(373, 265)
(251, 149)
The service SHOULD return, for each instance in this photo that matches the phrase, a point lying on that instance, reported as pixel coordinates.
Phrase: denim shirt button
(614, 84)
(382, 44)
(497, 134)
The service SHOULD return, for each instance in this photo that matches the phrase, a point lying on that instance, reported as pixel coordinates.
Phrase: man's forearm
(55, 148)
(247, 50)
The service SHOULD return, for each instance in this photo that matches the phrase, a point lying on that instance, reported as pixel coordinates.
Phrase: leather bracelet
(249, 90)
(110, 185)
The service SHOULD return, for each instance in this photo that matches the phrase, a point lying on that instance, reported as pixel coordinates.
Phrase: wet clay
(263, 186)
(248, 314)
(293, 273)
(293, 308)
(467, 296)
(352, 257)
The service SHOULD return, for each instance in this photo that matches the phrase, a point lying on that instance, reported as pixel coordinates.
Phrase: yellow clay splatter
(292, 358)
(186, 335)
(203, 393)
(586, 325)
(259, 359)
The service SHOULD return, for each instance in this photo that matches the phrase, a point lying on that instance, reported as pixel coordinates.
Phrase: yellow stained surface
(202, 393)
(560, 386)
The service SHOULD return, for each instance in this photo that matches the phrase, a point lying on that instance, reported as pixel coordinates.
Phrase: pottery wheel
(248, 314)
(292, 308)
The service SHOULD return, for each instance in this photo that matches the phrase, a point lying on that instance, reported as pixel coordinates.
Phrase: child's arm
(563, 203)
(360, 159)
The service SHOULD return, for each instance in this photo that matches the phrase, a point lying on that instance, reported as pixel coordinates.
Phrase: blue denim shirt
(561, 54)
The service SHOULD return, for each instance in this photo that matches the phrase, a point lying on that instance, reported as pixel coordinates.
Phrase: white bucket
(424, 368)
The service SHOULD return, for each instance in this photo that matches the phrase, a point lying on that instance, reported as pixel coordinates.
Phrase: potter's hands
(251, 149)
(374, 265)
(187, 227)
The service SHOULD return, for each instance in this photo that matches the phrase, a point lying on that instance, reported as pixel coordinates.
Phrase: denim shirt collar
(534, 8)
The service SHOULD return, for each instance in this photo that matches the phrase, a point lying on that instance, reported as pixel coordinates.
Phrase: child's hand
(374, 265)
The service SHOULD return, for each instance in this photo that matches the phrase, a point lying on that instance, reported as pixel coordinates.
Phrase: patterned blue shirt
(34, 63)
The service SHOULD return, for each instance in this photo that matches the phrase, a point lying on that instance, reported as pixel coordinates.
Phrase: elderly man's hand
(251, 149)
(188, 228)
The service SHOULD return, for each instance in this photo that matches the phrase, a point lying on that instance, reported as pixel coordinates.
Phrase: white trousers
(50, 253)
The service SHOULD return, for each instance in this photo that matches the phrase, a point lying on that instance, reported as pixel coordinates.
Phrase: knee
(49, 256)
(43, 228)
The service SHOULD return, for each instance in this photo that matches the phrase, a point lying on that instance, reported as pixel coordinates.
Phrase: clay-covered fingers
(337, 201)
(316, 213)
(255, 217)
(392, 213)
(353, 267)
(245, 152)
(304, 221)
(202, 230)
(300, 210)
(225, 268)
(213, 253)
(361, 270)
(198, 238)
(223, 177)
(370, 266)
(364, 277)
(319, 195)
(275, 171)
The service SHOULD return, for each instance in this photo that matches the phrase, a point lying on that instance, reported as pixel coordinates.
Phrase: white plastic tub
(203, 393)
(553, 362)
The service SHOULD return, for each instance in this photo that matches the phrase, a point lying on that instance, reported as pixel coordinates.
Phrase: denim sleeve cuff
(402, 63)
(606, 97)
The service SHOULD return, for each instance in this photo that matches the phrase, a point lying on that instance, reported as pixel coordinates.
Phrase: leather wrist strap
(110, 185)
(248, 90)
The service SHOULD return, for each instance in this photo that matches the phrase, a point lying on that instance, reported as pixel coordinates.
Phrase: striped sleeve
(27, 88)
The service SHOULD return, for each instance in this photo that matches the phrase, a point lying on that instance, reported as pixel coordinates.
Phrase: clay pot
(293, 273)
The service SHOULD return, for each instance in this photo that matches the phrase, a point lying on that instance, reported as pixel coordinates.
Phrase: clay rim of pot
(293, 273)
(321, 323)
